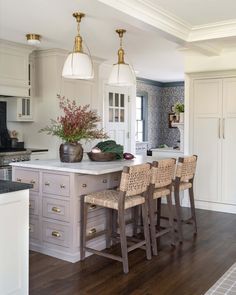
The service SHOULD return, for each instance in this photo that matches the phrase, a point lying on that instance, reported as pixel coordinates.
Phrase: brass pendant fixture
(33, 39)
(122, 74)
(78, 64)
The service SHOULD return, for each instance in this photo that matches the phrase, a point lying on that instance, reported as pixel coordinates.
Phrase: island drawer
(56, 209)
(94, 210)
(56, 184)
(56, 234)
(92, 183)
(33, 204)
(34, 228)
(27, 176)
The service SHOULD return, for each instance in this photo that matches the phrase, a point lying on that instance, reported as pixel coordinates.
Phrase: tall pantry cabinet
(213, 139)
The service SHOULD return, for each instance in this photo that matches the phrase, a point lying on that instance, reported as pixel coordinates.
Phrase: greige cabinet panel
(28, 176)
(56, 233)
(56, 184)
(56, 209)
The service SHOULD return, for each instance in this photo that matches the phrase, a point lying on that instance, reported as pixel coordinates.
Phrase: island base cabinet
(14, 245)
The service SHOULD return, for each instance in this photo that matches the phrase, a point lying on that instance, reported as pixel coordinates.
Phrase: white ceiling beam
(156, 17)
(218, 30)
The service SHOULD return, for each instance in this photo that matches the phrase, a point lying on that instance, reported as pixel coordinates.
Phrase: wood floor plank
(189, 269)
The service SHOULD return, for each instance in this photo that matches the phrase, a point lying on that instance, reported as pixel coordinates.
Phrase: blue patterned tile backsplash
(160, 101)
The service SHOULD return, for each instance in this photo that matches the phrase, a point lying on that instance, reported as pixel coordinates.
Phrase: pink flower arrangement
(78, 122)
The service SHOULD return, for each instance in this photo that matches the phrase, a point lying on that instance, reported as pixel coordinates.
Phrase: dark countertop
(35, 150)
(10, 186)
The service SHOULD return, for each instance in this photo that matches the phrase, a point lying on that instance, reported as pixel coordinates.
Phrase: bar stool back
(185, 172)
(131, 192)
(162, 173)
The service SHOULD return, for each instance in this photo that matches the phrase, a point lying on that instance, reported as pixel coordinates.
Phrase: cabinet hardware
(104, 181)
(55, 209)
(84, 185)
(30, 228)
(32, 181)
(56, 234)
(92, 207)
(116, 179)
(92, 231)
(62, 186)
(47, 183)
(19, 179)
(30, 205)
(223, 128)
(19, 115)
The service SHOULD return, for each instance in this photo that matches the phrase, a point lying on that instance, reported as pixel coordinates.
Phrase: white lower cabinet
(55, 210)
(14, 245)
(212, 133)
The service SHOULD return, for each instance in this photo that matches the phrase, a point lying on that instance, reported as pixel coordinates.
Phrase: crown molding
(153, 15)
(176, 28)
(213, 31)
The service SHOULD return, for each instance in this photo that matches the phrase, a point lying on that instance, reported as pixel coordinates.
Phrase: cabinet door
(229, 141)
(207, 138)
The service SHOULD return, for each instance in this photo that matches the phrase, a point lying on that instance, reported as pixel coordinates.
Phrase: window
(140, 118)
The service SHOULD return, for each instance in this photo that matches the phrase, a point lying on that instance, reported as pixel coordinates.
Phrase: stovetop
(8, 150)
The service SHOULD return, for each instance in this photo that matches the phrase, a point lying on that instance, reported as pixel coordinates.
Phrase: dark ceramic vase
(71, 152)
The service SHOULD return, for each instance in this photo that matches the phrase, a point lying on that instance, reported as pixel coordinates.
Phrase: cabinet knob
(92, 207)
(47, 183)
(56, 234)
(62, 186)
(19, 179)
(92, 231)
(104, 181)
(19, 115)
(30, 205)
(84, 185)
(32, 181)
(30, 228)
(56, 209)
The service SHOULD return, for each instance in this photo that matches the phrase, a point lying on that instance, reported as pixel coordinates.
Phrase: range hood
(14, 69)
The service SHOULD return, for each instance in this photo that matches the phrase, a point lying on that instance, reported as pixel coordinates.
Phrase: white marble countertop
(86, 166)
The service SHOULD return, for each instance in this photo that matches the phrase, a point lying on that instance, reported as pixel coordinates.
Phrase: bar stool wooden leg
(158, 214)
(178, 214)
(152, 224)
(123, 241)
(171, 219)
(84, 213)
(108, 227)
(191, 198)
(146, 230)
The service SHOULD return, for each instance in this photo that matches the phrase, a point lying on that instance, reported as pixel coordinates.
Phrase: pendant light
(122, 74)
(78, 64)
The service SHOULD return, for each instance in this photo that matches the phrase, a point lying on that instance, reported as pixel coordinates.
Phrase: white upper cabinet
(14, 70)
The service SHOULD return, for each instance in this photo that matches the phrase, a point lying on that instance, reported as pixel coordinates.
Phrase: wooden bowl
(101, 157)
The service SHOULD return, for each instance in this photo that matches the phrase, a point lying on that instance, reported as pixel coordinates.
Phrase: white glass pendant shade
(122, 75)
(78, 65)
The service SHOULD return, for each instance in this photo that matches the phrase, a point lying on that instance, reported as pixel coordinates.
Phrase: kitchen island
(14, 242)
(55, 201)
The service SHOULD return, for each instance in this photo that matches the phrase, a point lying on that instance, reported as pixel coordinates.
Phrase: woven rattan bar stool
(162, 173)
(131, 192)
(184, 177)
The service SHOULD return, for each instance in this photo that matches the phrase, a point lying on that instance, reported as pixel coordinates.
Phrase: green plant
(179, 108)
(77, 122)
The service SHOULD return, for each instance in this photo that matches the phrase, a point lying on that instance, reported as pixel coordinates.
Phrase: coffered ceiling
(156, 29)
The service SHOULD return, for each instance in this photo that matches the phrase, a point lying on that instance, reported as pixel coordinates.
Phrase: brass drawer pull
(56, 210)
(30, 228)
(84, 185)
(32, 181)
(47, 183)
(92, 231)
(62, 186)
(92, 207)
(104, 181)
(30, 205)
(56, 234)
(19, 179)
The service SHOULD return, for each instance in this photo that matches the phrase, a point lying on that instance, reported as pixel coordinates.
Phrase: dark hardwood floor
(189, 269)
